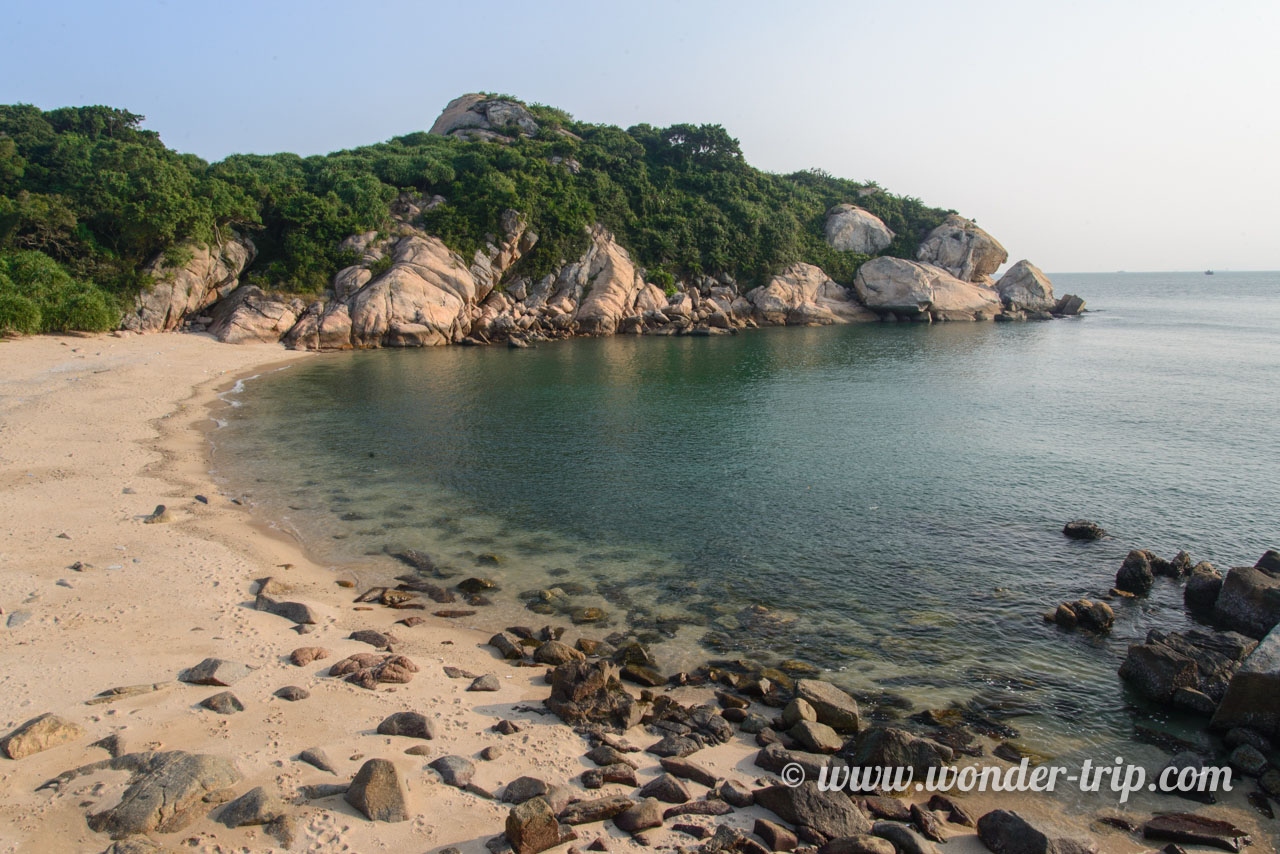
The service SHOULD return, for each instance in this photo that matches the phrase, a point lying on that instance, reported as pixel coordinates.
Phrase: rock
(1196, 830)
(1248, 760)
(1202, 590)
(256, 806)
(506, 646)
(1168, 661)
(378, 792)
(522, 789)
(292, 693)
(831, 814)
(863, 843)
(1083, 529)
(849, 228)
(296, 612)
(688, 770)
(369, 669)
(1006, 832)
(798, 710)
(892, 285)
(1068, 306)
(1194, 701)
(1270, 781)
(207, 274)
(304, 655)
(775, 836)
(928, 824)
(166, 792)
(581, 616)
(736, 794)
(1135, 574)
(588, 812)
(816, 737)
(641, 816)
(674, 745)
(888, 808)
(1250, 698)
(40, 733)
(140, 845)
(803, 294)
(480, 117)
(456, 771)
(377, 640)
(487, 682)
(505, 727)
(963, 250)
(157, 516)
(408, 724)
(888, 746)
(604, 754)
(904, 839)
(611, 287)
(1024, 287)
(317, 757)
(834, 707)
(224, 703)
(589, 692)
(665, 788)
(492, 752)
(214, 671)
(1249, 601)
(249, 314)
(555, 652)
(532, 826)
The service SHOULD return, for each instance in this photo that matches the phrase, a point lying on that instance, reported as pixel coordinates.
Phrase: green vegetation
(88, 197)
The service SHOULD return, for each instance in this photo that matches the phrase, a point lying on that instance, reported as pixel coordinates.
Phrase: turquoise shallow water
(893, 493)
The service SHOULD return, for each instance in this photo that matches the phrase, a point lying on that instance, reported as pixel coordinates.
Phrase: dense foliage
(88, 197)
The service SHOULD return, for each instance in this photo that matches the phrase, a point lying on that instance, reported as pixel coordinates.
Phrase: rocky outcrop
(209, 274)
(249, 314)
(1250, 699)
(477, 117)
(803, 294)
(963, 250)
(910, 289)
(849, 228)
(611, 287)
(1024, 287)
(1182, 668)
(1249, 601)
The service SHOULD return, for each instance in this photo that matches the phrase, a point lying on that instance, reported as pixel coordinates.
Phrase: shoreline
(195, 573)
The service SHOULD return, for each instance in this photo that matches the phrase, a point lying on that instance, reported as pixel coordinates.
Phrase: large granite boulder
(1252, 698)
(1169, 664)
(1249, 601)
(612, 288)
(166, 792)
(849, 228)
(480, 117)
(208, 274)
(892, 285)
(1024, 287)
(830, 815)
(249, 314)
(803, 294)
(963, 250)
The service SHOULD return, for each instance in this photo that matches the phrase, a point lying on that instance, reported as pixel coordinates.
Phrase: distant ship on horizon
(1208, 272)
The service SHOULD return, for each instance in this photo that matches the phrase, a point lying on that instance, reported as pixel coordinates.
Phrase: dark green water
(893, 493)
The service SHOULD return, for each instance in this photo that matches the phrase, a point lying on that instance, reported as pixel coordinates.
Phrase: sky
(1085, 136)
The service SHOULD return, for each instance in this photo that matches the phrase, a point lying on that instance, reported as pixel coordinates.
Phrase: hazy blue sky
(1083, 135)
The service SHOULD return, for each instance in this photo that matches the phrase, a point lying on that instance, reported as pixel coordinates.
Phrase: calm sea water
(893, 494)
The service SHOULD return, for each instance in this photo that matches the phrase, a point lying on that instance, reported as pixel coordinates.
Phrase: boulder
(611, 285)
(1135, 574)
(1198, 659)
(863, 843)
(588, 812)
(833, 707)
(522, 789)
(209, 273)
(223, 703)
(1249, 601)
(532, 826)
(1250, 698)
(1202, 590)
(1006, 832)
(641, 816)
(803, 294)
(892, 285)
(849, 228)
(39, 733)
(256, 806)
(589, 692)
(963, 250)
(378, 792)
(1024, 287)
(1196, 830)
(904, 839)
(214, 671)
(1083, 529)
(166, 792)
(407, 724)
(456, 771)
(251, 315)
(830, 814)
(1269, 563)
(1068, 305)
(480, 117)
(665, 788)
(887, 746)
(816, 737)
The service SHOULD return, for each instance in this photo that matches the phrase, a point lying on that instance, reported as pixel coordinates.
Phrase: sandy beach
(95, 432)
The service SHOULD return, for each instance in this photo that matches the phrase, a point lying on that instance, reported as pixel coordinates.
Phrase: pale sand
(83, 418)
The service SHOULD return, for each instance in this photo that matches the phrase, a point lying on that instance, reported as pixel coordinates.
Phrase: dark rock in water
(641, 816)
(1006, 832)
(1198, 659)
(581, 616)
(1083, 529)
(831, 814)
(256, 806)
(1069, 305)
(456, 771)
(39, 733)
(532, 827)
(224, 703)
(378, 792)
(1237, 736)
(420, 561)
(166, 792)
(775, 836)
(642, 675)
(1203, 586)
(1269, 562)
(214, 671)
(589, 692)
(316, 757)
(1270, 781)
(1179, 567)
(1250, 698)
(1092, 616)
(904, 839)
(1249, 601)
(1193, 700)
(407, 724)
(665, 788)
(587, 812)
(292, 693)
(1196, 830)
(478, 585)
(1135, 574)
